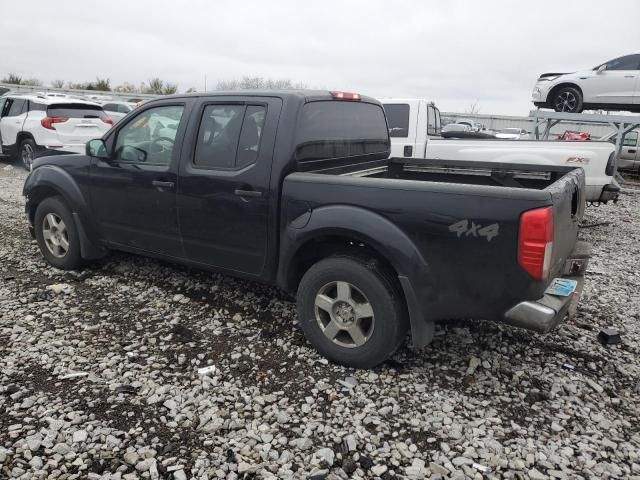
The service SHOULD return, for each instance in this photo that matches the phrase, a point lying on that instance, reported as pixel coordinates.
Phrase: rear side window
(75, 111)
(229, 136)
(37, 107)
(341, 129)
(398, 119)
(110, 107)
(18, 107)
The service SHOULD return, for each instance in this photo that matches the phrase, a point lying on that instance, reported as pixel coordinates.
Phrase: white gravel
(99, 378)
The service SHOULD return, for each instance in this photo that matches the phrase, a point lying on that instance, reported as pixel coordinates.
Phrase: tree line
(157, 86)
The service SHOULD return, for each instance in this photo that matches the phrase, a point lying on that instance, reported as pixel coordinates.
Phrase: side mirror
(97, 148)
(602, 68)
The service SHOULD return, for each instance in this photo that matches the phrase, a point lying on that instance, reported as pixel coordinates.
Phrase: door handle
(161, 184)
(629, 76)
(632, 151)
(248, 193)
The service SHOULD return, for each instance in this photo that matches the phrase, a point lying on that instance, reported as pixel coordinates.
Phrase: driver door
(133, 193)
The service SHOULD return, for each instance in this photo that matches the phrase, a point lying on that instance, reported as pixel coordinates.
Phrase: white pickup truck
(413, 123)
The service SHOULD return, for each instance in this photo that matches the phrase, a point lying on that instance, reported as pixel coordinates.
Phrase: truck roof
(301, 94)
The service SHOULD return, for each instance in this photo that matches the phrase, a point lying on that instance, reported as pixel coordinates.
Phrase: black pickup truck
(297, 189)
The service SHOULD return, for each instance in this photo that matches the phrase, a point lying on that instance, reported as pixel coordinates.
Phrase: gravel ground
(99, 378)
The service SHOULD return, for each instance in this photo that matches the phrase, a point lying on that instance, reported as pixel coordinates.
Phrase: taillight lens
(610, 164)
(106, 119)
(47, 122)
(345, 95)
(535, 242)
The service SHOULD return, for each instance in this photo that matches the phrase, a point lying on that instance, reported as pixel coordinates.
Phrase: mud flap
(422, 330)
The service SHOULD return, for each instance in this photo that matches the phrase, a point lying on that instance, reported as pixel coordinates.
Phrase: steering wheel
(156, 147)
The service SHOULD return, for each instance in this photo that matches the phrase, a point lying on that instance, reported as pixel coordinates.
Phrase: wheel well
(23, 136)
(36, 196)
(319, 248)
(553, 91)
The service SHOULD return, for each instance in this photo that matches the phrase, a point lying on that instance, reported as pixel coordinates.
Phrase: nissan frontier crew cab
(297, 189)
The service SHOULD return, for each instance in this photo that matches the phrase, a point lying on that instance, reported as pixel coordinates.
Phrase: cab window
(229, 136)
(630, 139)
(149, 137)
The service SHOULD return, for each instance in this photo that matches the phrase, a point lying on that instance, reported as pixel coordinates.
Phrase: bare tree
(474, 108)
(103, 84)
(258, 83)
(126, 87)
(13, 79)
(57, 83)
(169, 89)
(32, 82)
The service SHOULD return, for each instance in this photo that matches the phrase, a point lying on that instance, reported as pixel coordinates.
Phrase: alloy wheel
(54, 233)
(344, 314)
(27, 156)
(566, 102)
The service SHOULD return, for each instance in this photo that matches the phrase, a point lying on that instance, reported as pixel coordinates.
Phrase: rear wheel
(26, 153)
(351, 311)
(57, 235)
(567, 99)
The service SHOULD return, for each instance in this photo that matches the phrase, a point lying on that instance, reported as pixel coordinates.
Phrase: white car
(31, 124)
(613, 85)
(416, 123)
(513, 134)
(117, 110)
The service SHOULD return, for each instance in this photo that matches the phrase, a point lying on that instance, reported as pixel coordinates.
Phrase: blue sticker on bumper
(562, 287)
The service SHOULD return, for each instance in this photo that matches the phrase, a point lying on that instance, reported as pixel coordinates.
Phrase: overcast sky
(452, 52)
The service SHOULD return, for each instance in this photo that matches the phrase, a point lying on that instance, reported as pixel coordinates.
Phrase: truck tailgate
(568, 208)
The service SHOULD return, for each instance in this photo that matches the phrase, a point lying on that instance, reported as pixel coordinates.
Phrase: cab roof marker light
(346, 96)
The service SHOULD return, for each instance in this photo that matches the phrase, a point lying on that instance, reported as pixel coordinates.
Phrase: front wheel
(567, 99)
(351, 311)
(27, 153)
(57, 235)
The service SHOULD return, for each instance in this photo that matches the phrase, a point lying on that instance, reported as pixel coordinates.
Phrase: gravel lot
(99, 378)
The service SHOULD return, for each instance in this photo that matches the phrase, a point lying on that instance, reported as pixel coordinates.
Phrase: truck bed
(442, 207)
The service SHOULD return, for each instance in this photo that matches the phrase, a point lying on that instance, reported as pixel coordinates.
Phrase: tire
(26, 153)
(567, 99)
(332, 328)
(53, 236)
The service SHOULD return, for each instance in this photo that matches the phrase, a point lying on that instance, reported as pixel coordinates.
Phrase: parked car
(512, 134)
(574, 136)
(33, 124)
(629, 157)
(450, 130)
(421, 122)
(297, 189)
(613, 85)
(117, 110)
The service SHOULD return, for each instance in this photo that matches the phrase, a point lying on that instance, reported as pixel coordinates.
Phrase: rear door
(133, 193)
(3, 102)
(223, 186)
(77, 123)
(15, 113)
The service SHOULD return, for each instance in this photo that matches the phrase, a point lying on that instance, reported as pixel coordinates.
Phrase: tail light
(106, 119)
(610, 164)
(535, 242)
(345, 96)
(47, 122)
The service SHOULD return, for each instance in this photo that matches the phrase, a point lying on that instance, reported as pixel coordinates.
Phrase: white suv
(613, 85)
(30, 124)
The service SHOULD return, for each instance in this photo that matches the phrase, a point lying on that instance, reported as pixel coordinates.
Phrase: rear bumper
(544, 314)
